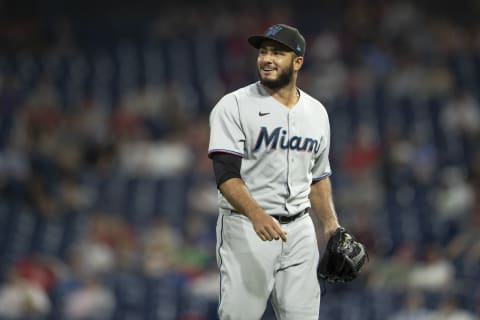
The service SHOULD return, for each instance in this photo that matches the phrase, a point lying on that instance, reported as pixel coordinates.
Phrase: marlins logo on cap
(273, 30)
(284, 34)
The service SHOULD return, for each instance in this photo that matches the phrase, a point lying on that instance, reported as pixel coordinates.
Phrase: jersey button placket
(291, 153)
(292, 133)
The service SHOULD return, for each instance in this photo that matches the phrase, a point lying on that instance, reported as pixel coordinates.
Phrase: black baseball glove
(343, 258)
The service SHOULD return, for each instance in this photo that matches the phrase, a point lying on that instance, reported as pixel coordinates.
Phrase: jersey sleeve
(321, 168)
(226, 134)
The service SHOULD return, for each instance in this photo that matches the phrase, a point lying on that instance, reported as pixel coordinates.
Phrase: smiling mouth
(267, 70)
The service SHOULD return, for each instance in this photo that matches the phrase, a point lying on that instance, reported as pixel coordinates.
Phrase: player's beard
(283, 79)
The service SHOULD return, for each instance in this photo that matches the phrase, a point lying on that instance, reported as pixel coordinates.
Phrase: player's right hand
(267, 228)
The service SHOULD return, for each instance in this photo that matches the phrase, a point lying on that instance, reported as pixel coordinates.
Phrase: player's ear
(297, 63)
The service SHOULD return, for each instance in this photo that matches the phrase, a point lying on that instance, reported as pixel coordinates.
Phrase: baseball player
(269, 143)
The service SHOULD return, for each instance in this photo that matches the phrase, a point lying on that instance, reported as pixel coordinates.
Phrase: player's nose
(267, 56)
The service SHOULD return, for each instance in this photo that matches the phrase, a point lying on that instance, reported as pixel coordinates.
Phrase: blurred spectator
(465, 246)
(400, 17)
(461, 115)
(360, 160)
(423, 161)
(38, 271)
(22, 299)
(362, 156)
(434, 272)
(398, 152)
(41, 197)
(92, 257)
(91, 301)
(413, 308)
(450, 309)
(408, 80)
(147, 102)
(14, 165)
(202, 198)
(94, 253)
(206, 285)
(327, 74)
(198, 246)
(393, 274)
(45, 97)
(196, 138)
(160, 246)
(453, 200)
(154, 159)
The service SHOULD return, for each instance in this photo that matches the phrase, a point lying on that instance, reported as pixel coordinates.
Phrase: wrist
(255, 213)
(329, 230)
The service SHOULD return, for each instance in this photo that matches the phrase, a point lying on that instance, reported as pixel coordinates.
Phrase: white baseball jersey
(283, 149)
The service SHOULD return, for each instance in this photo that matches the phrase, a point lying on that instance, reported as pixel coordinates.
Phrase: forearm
(236, 192)
(322, 205)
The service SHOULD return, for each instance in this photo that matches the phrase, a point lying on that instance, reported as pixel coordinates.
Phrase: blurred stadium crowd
(107, 198)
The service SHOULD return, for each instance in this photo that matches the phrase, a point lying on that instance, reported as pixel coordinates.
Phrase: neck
(287, 95)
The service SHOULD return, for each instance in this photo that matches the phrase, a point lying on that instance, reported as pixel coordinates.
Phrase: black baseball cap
(284, 34)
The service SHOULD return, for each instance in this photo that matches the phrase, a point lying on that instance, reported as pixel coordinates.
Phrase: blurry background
(107, 197)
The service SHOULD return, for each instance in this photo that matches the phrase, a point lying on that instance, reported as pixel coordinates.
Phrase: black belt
(283, 218)
(287, 219)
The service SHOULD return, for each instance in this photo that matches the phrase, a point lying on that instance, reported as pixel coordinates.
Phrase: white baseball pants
(252, 270)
